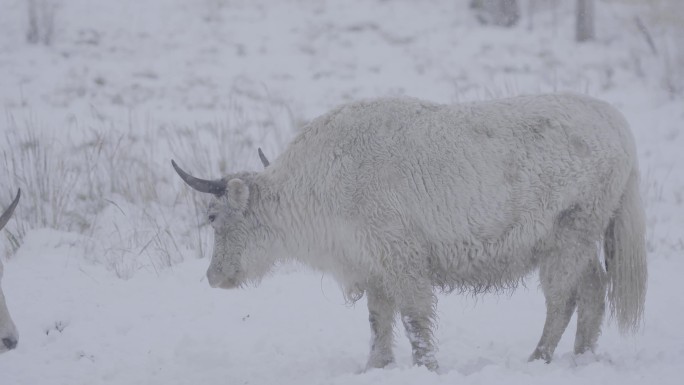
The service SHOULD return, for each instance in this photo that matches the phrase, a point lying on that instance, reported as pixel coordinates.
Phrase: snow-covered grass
(105, 258)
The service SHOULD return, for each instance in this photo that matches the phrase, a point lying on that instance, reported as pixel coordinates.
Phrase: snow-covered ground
(107, 285)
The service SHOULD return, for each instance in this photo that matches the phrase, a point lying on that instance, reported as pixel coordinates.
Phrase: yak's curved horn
(264, 161)
(216, 187)
(8, 213)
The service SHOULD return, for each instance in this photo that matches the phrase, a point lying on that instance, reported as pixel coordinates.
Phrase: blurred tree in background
(584, 23)
(504, 13)
(41, 21)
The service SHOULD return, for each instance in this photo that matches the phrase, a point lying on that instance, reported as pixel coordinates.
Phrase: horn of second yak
(8, 213)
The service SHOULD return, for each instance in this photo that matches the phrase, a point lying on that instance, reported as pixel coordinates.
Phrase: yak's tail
(625, 253)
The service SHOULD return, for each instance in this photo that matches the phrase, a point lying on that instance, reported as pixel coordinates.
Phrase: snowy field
(106, 254)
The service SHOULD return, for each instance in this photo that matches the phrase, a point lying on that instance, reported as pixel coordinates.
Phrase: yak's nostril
(10, 343)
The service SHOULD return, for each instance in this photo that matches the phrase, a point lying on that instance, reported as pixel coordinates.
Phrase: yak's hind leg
(381, 313)
(417, 315)
(560, 276)
(591, 297)
(560, 304)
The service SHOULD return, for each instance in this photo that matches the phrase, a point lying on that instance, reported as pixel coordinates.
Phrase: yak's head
(240, 241)
(8, 332)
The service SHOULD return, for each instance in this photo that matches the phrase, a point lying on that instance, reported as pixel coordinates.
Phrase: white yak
(397, 198)
(8, 332)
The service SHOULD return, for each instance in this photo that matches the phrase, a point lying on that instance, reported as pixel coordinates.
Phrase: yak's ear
(237, 193)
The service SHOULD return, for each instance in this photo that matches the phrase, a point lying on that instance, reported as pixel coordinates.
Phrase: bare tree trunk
(531, 8)
(585, 20)
(41, 21)
(503, 13)
(32, 34)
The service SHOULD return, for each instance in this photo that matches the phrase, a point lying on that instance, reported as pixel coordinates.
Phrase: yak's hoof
(540, 355)
(379, 362)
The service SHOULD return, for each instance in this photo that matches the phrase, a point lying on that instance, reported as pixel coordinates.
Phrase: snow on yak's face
(227, 217)
(239, 237)
(8, 332)
(238, 256)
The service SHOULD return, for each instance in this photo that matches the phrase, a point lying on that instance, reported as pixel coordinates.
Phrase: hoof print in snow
(58, 326)
(83, 355)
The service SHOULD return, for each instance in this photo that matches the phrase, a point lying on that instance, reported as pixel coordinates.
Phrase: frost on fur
(8, 332)
(395, 197)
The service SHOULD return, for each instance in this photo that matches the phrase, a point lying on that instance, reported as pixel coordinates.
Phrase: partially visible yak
(8, 332)
(397, 198)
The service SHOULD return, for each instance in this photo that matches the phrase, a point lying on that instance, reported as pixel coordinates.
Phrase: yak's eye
(212, 218)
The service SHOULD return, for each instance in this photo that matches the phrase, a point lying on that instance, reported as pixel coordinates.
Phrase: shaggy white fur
(8, 332)
(395, 197)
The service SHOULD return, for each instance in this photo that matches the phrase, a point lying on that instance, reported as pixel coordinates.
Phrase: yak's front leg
(381, 312)
(417, 317)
